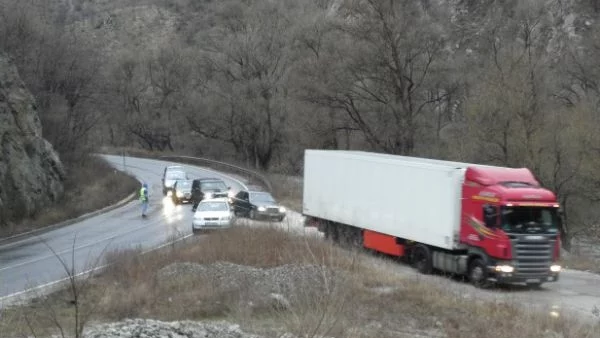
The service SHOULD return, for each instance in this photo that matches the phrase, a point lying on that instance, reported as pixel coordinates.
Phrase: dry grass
(580, 262)
(90, 185)
(362, 300)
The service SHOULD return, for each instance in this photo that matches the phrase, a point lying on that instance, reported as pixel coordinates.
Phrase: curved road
(29, 262)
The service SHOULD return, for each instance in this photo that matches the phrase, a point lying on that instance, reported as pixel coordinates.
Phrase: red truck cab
(512, 222)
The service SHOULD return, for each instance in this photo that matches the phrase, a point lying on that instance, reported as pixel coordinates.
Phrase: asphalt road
(29, 262)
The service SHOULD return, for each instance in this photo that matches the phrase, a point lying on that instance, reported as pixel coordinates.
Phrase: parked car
(169, 178)
(205, 188)
(215, 213)
(182, 191)
(257, 204)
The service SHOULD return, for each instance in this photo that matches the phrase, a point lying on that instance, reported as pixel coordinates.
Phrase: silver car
(169, 179)
(213, 214)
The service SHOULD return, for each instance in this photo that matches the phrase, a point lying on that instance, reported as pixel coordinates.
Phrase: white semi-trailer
(493, 224)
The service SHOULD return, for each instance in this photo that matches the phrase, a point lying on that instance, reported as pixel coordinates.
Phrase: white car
(213, 213)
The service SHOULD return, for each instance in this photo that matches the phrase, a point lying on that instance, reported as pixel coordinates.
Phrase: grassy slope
(367, 300)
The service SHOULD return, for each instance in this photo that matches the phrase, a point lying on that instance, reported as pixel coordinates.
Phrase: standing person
(144, 199)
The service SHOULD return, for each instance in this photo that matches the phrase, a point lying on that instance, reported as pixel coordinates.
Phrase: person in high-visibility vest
(144, 198)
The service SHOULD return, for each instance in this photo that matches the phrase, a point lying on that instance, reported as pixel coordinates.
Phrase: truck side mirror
(490, 214)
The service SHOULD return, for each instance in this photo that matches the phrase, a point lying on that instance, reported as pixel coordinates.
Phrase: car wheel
(280, 219)
(478, 274)
(252, 214)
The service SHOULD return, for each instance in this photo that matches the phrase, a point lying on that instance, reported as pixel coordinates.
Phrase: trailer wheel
(421, 259)
(478, 273)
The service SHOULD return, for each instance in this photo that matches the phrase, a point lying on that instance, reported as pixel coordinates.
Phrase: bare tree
(78, 288)
(385, 71)
(247, 63)
(153, 94)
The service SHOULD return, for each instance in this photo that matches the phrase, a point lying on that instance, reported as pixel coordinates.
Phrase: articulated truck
(494, 225)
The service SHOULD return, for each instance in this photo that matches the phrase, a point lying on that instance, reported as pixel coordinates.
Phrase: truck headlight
(281, 209)
(504, 268)
(262, 209)
(555, 268)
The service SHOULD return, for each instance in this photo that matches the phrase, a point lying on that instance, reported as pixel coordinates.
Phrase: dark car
(182, 191)
(257, 205)
(206, 188)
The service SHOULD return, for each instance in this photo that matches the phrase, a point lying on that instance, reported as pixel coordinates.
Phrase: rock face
(31, 172)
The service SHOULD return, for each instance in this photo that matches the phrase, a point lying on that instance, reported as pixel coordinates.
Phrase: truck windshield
(529, 219)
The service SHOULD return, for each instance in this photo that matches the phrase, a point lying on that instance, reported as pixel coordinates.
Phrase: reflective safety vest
(143, 194)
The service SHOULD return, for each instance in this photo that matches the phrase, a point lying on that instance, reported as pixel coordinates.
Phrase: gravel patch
(277, 287)
(140, 328)
(228, 276)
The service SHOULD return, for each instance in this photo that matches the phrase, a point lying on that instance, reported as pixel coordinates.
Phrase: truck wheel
(421, 259)
(478, 273)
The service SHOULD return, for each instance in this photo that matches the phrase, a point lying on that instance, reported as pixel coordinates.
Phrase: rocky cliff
(31, 172)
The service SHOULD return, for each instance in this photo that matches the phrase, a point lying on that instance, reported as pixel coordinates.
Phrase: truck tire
(421, 259)
(331, 231)
(478, 274)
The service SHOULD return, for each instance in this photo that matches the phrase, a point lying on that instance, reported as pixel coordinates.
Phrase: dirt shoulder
(90, 185)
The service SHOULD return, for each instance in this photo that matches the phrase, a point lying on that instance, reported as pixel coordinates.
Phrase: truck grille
(533, 254)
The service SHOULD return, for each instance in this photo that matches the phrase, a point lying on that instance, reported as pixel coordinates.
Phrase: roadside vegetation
(270, 281)
(91, 184)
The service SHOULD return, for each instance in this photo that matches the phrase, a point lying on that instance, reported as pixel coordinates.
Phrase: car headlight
(208, 195)
(555, 268)
(281, 209)
(179, 194)
(230, 194)
(262, 209)
(504, 268)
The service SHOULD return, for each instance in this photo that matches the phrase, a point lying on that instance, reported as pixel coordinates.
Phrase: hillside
(510, 83)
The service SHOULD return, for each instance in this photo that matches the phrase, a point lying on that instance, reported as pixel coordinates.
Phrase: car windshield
(529, 219)
(261, 197)
(213, 206)
(213, 185)
(175, 175)
(183, 184)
